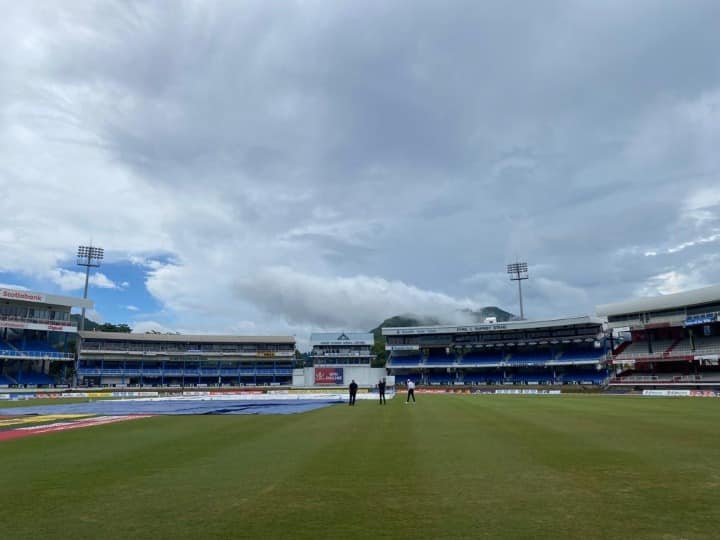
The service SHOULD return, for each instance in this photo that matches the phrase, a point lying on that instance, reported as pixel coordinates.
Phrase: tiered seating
(684, 346)
(490, 357)
(445, 378)
(530, 357)
(638, 348)
(405, 360)
(540, 377)
(580, 376)
(5, 346)
(440, 358)
(579, 355)
(402, 379)
(6, 380)
(483, 377)
(707, 343)
(34, 379)
(37, 346)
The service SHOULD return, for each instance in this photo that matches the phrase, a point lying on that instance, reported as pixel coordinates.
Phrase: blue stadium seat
(32, 378)
(524, 358)
(440, 358)
(405, 360)
(490, 357)
(581, 354)
(39, 346)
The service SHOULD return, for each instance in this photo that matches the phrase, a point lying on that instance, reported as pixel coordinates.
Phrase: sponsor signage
(69, 327)
(667, 393)
(12, 294)
(700, 319)
(444, 329)
(326, 375)
(681, 393)
(402, 347)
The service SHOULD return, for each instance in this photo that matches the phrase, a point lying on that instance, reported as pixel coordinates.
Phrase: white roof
(20, 295)
(502, 326)
(660, 303)
(186, 338)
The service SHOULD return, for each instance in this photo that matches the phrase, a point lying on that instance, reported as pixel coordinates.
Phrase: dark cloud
(412, 142)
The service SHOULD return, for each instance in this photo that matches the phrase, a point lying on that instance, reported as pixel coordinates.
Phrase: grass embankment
(447, 467)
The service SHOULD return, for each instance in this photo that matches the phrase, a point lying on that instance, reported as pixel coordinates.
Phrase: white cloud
(358, 302)
(130, 307)
(94, 315)
(70, 280)
(359, 154)
(13, 286)
(142, 327)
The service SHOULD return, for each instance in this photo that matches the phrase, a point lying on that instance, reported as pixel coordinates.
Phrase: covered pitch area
(453, 466)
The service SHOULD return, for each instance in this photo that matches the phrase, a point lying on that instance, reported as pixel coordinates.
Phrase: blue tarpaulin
(179, 406)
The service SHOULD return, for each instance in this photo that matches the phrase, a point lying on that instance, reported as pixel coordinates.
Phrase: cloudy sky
(277, 167)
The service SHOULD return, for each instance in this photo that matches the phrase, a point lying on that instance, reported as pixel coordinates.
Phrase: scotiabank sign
(328, 375)
(12, 294)
(38, 326)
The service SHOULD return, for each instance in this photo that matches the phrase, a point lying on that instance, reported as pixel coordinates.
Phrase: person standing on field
(411, 391)
(381, 391)
(353, 392)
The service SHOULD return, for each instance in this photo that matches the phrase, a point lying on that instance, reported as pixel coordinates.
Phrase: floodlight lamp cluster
(90, 255)
(518, 270)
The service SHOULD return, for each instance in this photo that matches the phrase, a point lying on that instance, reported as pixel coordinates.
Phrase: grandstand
(121, 359)
(34, 331)
(342, 348)
(558, 351)
(673, 340)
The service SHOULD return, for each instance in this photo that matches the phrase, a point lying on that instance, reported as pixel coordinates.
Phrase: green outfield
(447, 467)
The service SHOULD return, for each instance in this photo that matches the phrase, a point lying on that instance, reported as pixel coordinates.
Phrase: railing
(496, 363)
(36, 355)
(664, 379)
(180, 373)
(15, 318)
(169, 352)
(680, 354)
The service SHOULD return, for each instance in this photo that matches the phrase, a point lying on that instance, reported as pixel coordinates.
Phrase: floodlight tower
(89, 257)
(518, 272)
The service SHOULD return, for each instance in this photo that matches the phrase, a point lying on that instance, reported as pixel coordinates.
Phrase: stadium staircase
(7, 380)
(620, 348)
(669, 350)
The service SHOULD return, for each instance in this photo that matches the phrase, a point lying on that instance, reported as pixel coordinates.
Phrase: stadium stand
(34, 332)
(440, 357)
(674, 339)
(517, 352)
(32, 378)
(406, 360)
(580, 355)
(492, 357)
(536, 357)
(112, 359)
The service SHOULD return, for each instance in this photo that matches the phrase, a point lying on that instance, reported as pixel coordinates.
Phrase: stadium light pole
(518, 271)
(89, 257)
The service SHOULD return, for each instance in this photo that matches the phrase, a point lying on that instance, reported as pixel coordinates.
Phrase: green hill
(91, 325)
